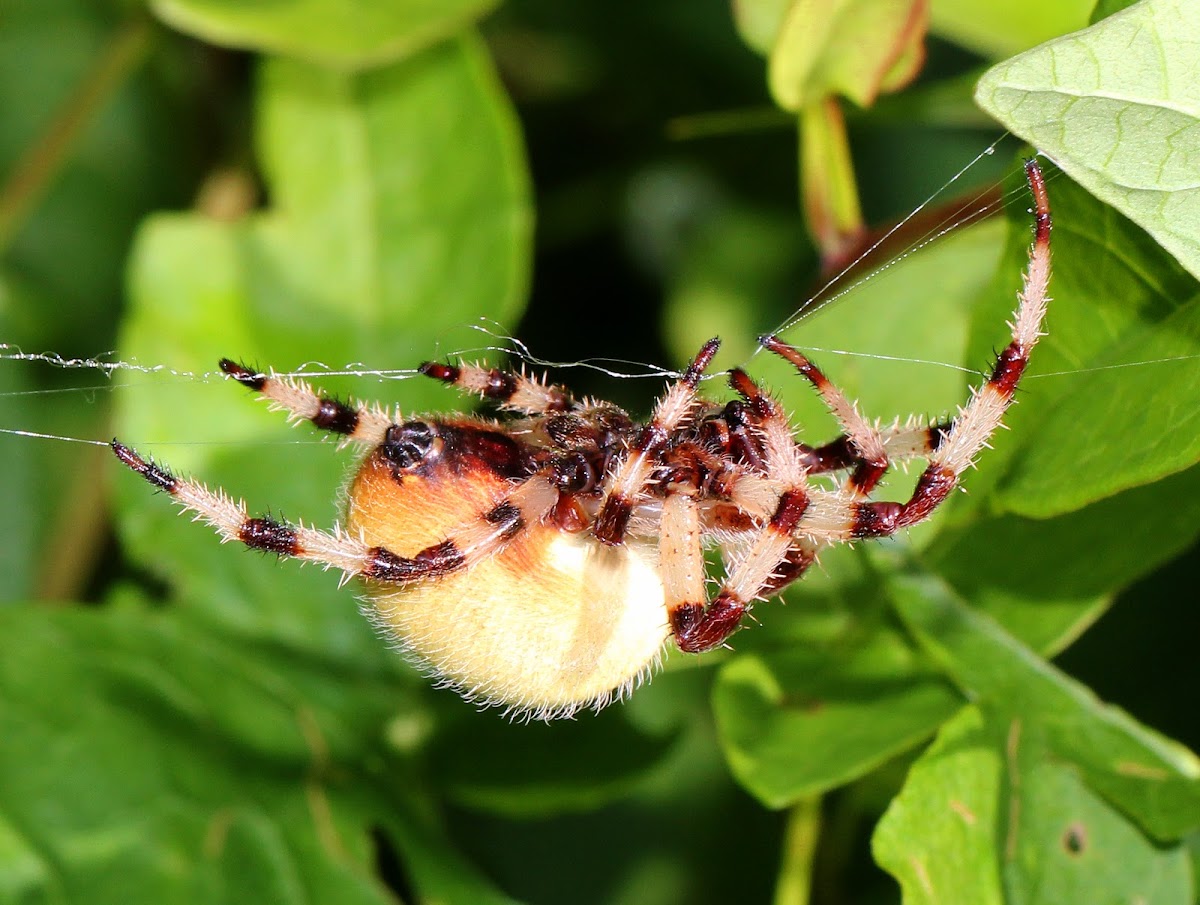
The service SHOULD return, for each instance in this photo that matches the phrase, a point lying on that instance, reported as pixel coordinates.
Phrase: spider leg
(794, 565)
(362, 424)
(510, 390)
(476, 540)
(910, 441)
(870, 456)
(803, 520)
(899, 442)
(697, 624)
(681, 556)
(775, 557)
(631, 473)
(969, 432)
(773, 560)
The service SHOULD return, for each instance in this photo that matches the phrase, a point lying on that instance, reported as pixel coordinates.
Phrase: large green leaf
(146, 756)
(401, 200)
(1153, 780)
(800, 722)
(1046, 580)
(338, 33)
(988, 815)
(1118, 107)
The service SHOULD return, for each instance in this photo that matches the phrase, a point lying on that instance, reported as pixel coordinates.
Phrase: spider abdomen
(553, 622)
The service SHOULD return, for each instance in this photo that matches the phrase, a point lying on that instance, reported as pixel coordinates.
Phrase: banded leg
(517, 392)
(699, 624)
(910, 441)
(870, 452)
(970, 431)
(899, 442)
(362, 424)
(681, 558)
(803, 520)
(774, 557)
(799, 558)
(634, 470)
(476, 540)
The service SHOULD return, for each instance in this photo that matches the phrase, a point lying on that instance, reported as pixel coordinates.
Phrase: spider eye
(407, 444)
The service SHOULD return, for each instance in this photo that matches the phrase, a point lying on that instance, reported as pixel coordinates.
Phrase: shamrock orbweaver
(541, 562)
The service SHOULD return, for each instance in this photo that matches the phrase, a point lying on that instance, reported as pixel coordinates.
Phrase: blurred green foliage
(309, 181)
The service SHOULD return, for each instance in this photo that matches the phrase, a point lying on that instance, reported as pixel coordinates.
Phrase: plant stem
(34, 172)
(828, 186)
(800, 839)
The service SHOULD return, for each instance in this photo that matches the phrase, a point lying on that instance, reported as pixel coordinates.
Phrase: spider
(541, 562)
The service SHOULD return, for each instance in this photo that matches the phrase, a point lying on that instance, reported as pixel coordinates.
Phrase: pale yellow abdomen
(553, 623)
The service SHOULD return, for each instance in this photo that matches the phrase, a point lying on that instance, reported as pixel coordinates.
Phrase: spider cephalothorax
(541, 562)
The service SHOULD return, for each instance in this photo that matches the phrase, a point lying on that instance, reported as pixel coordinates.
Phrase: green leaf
(335, 33)
(989, 815)
(799, 722)
(939, 837)
(145, 752)
(1154, 780)
(401, 197)
(1152, 410)
(1117, 106)
(1055, 576)
(1000, 28)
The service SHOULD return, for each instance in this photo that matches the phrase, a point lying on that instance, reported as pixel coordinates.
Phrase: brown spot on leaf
(1075, 839)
